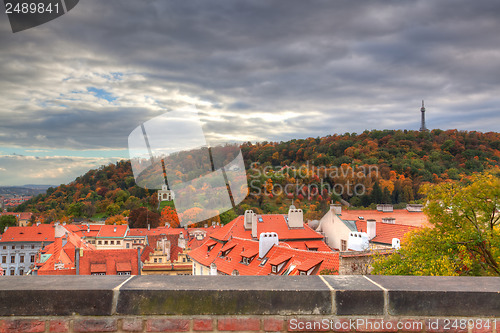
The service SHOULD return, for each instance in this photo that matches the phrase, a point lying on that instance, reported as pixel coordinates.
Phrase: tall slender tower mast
(422, 124)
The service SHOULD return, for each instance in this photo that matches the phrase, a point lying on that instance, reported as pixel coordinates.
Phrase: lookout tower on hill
(423, 128)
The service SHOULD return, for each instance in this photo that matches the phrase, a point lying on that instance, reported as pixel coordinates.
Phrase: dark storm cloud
(256, 70)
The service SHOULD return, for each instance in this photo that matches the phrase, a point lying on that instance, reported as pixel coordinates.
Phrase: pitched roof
(41, 233)
(263, 266)
(401, 216)
(113, 231)
(270, 223)
(109, 258)
(385, 232)
(98, 268)
(62, 253)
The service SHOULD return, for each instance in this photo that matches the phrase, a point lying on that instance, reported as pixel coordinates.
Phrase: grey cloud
(341, 66)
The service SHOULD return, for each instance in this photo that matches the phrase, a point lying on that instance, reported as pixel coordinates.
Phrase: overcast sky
(73, 89)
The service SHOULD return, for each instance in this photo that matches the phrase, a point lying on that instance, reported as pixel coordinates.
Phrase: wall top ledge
(252, 295)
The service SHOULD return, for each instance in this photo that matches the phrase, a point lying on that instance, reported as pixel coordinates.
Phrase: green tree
(465, 239)
(7, 221)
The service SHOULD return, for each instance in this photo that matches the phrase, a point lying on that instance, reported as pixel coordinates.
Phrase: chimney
(396, 244)
(37, 223)
(295, 217)
(248, 219)
(114, 230)
(213, 269)
(336, 208)
(139, 262)
(266, 241)
(371, 228)
(77, 261)
(149, 227)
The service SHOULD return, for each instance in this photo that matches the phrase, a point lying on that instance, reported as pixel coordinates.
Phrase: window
(22, 247)
(4, 259)
(99, 242)
(343, 245)
(21, 259)
(123, 273)
(21, 271)
(98, 274)
(127, 246)
(112, 242)
(12, 259)
(105, 242)
(32, 258)
(274, 269)
(32, 246)
(156, 260)
(13, 247)
(5, 247)
(160, 260)
(183, 259)
(118, 242)
(303, 273)
(12, 272)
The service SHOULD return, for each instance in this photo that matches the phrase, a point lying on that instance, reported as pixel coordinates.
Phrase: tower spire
(423, 128)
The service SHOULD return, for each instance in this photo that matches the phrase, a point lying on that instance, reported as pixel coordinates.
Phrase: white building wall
(26, 249)
(334, 229)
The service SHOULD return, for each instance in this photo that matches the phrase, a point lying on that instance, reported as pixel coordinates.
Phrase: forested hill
(412, 153)
(404, 160)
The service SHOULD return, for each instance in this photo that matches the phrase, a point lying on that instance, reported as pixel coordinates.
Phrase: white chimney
(213, 269)
(336, 208)
(371, 228)
(295, 217)
(254, 226)
(114, 230)
(266, 241)
(37, 223)
(248, 219)
(396, 243)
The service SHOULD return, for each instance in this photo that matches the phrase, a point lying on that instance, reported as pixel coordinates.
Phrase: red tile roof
(146, 252)
(308, 264)
(107, 231)
(123, 267)
(279, 259)
(402, 216)
(98, 268)
(276, 255)
(109, 258)
(62, 255)
(41, 233)
(385, 232)
(271, 223)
